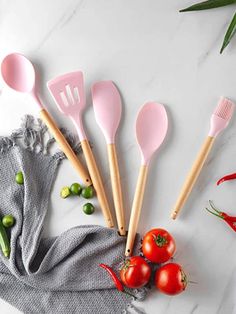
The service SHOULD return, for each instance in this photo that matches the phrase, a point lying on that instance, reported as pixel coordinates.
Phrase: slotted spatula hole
(70, 95)
(76, 94)
(64, 99)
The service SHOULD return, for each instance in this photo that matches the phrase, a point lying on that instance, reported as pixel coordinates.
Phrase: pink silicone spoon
(19, 74)
(107, 108)
(68, 93)
(151, 129)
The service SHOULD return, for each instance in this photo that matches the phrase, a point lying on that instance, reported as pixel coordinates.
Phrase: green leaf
(210, 4)
(229, 34)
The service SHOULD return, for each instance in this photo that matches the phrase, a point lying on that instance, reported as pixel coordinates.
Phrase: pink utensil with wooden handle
(107, 108)
(68, 93)
(219, 121)
(151, 129)
(19, 74)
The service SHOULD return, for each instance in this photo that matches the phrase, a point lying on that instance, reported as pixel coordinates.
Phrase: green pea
(88, 209)
(8, 221)
(87, 192)
(65, 192)
(19, 178)
(75, 189)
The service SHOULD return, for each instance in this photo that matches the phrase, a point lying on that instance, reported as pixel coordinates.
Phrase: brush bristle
(224, 109)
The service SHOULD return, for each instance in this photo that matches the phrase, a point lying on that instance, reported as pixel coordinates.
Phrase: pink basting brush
(219, 121)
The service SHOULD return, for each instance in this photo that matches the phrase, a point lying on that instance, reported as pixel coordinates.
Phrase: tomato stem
(160, 240)
(126, 264)
(184, 278)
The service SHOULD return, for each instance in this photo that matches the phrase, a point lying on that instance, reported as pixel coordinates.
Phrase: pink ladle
(151, 129)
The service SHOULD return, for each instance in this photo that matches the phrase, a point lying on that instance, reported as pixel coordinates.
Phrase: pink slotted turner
(151, 129)
(68, 93)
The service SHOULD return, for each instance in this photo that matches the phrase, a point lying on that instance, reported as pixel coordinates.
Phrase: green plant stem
(210, 4)
(217, 215)
(229, 34)
(213, 207)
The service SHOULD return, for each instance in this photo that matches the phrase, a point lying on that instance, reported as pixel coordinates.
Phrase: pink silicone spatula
(151, 129)
(107, 107)
(68, 93)
(19, 74)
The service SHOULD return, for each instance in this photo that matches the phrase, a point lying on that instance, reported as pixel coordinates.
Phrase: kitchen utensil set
(151, 128)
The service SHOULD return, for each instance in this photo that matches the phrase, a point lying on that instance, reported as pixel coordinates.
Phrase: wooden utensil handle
(97, 182)
(193, 175)
(45, 116)
(136, 209)
(116, 188)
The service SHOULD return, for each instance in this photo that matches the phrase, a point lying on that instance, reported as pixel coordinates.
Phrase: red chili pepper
(115, 279)
(227, 178)
(230, 220)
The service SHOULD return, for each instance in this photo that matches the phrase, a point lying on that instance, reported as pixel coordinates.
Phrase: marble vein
(212, 46)
(64, 19)
(73, 13)
(194, 309)
(226, 291)
(168, 305)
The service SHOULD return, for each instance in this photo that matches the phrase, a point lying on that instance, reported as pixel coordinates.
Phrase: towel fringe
(33, 135)
(133, 309)
(139, 295)
(5, 144)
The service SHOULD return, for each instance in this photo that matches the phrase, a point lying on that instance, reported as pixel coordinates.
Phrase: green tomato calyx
(184, 279)
(160, 240)
(126, 265)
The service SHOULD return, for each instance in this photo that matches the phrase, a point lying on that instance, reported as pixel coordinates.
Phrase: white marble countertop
(151, 52)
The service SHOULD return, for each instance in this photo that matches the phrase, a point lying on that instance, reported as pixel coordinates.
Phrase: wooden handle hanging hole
(122, 235)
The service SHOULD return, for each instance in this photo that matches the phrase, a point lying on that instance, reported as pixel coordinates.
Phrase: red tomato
(171, 279)
(158, 246)
(135, 272)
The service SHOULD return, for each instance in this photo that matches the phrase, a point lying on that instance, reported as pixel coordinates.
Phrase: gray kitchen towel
(60, 274)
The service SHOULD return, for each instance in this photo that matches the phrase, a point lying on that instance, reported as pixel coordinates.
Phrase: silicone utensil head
(221, 116)
(107, 107)
(151, 129)
(68, 93)
(18, 73)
